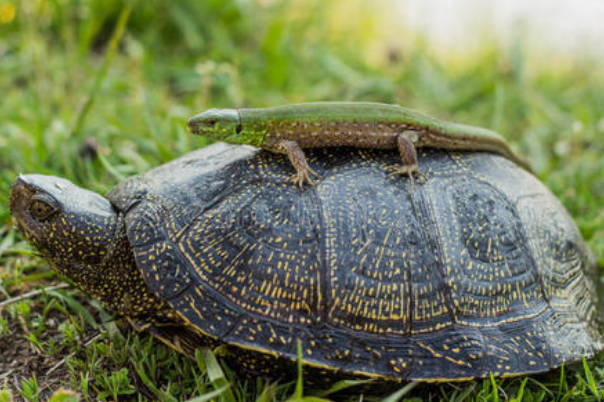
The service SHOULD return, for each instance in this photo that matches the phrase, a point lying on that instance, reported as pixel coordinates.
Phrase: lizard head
(217, 124)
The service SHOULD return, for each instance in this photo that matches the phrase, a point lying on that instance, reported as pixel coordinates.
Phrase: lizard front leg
(405, 144)
(297, 158)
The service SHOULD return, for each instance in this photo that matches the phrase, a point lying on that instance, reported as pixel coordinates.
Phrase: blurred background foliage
(180, 57)
(70, 108)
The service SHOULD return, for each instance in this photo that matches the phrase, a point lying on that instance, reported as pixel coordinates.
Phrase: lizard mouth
(203, 122)
(214, 121)
(192, 125)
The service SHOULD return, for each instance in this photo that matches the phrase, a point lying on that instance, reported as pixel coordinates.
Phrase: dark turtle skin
(480, 270)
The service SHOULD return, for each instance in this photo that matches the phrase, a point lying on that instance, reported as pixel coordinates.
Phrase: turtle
(478, 272)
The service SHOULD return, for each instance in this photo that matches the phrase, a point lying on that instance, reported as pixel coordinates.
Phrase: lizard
(289, 129)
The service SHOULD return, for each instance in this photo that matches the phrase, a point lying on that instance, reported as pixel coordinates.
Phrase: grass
(84, 100)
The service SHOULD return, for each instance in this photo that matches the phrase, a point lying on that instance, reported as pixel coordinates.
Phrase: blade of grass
(211, 395)
(563, 386)
(591, 382)
(118, 33)
(520, 395)
(72, 354)
(398, 395)
(7, 242)
(75, 307)
(341, 386)
(32, 294)
(217, 376)
(298, 393)
(495, 388)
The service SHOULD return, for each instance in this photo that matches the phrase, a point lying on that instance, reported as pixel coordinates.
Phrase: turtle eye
(41, 209)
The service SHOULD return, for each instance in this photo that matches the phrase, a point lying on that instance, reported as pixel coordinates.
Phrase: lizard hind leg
(409, 167)
(296, 156)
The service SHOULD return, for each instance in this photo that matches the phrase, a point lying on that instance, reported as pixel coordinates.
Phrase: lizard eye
(211, 122)
(41, 209)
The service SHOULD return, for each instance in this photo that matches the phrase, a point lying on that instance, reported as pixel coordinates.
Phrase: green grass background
(75, 103)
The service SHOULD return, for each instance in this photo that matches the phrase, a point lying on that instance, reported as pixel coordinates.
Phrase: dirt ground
(20, 360)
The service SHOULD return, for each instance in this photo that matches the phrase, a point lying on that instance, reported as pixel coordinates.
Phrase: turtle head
(221, 125)
(83, 236)
(73, 228)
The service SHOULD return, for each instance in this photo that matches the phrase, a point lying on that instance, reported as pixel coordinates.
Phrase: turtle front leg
(405, 144)
(297, 158)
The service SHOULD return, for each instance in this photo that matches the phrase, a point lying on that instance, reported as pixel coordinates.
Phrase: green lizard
(291, 128)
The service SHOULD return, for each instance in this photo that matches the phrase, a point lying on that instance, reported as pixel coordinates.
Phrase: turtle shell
(480, 270)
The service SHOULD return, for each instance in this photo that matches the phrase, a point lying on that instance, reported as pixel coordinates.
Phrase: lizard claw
(303, 176)
(296, 157)
(313, 172)
(408, 170)
(422, 177)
